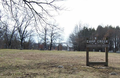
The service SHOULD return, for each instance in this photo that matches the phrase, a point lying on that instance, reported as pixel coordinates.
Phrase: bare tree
(23, 29)
(54, 35)
(45, 34)
(6, 36)
(18, 23)
(8, 33)
(11, 36)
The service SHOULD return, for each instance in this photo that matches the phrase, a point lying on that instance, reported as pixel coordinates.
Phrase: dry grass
(44, 64)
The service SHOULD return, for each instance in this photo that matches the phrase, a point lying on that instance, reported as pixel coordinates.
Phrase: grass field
(55, 64)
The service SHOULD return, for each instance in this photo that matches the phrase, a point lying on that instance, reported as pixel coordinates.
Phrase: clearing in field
(55, 64)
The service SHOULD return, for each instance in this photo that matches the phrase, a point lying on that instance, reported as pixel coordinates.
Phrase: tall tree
(54, 35)
(44, 35)
(23, 29)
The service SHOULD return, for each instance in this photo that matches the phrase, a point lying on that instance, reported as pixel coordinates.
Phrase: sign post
(97, 43)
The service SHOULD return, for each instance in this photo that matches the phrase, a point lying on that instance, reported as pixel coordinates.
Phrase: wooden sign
(93, 44)
(97, 41)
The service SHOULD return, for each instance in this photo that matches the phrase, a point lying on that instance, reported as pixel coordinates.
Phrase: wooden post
(106, 56)
(87, 57)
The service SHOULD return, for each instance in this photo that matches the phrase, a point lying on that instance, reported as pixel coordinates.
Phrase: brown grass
(44, 64)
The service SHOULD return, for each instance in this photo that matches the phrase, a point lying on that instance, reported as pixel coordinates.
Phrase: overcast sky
(91, 12)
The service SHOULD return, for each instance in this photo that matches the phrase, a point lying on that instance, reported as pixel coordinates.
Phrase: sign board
(93, 44)
(97, 43)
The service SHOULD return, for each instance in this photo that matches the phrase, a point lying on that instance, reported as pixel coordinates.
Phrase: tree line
(21, 35)
(79, 36)
(22, 20)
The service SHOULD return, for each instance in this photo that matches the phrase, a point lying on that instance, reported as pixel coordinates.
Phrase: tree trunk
(21, 44)
(51, 44)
